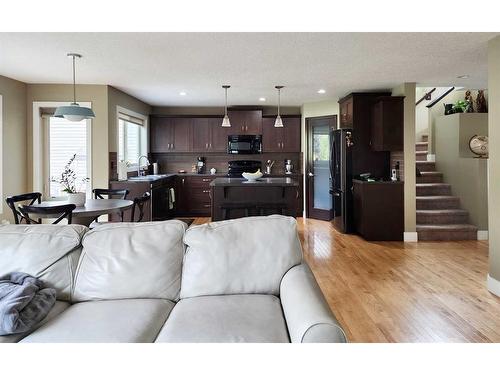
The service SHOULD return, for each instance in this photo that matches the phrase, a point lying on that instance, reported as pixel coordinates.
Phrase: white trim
(38, 139)
(493, 285)
(431, 157)
(410, 237)
(143, 135)
(482, 235)
(1, 153)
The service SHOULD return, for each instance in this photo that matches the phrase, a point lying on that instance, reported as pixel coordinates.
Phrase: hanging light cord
(225, 108)
(74, 82)
(279, 101)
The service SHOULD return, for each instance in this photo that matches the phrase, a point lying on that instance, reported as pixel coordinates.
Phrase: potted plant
(461, 106)
(68, 181)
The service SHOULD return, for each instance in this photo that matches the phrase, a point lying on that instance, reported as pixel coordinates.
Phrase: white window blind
(130, 143)
(65, 139)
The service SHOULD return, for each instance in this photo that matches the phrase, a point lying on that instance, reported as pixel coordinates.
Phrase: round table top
(93, 207)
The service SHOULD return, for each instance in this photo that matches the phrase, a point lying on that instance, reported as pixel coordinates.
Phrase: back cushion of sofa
(248, 255)
(49, 252)
(131, 260)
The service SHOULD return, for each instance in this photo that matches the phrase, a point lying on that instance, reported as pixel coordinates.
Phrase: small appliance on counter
(244, 144)
(237, 167)
(213, 171)
(288, 166)
(200, 165)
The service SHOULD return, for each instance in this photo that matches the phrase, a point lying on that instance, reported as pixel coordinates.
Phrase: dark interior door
(318, 197)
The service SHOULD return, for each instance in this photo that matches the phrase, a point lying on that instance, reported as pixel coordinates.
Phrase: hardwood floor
(402, 292)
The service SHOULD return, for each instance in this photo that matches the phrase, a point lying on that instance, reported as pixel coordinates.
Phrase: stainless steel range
(237, 167)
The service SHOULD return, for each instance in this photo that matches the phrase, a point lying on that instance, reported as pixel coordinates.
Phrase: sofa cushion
(58, 308)
(133, 320)
(49, 252)
(131, 260)
(242, 256)
(232, 318)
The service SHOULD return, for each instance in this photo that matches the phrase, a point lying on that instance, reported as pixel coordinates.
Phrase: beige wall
(408, 91)
(467, 175)
(98, 96)
(494, 160)
(14, 140)
(119, 98)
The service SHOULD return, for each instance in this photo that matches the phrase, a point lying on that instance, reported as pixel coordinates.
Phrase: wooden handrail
(427, 96)
(441, 97)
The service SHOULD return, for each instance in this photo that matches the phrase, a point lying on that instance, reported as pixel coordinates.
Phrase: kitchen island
(236, 197)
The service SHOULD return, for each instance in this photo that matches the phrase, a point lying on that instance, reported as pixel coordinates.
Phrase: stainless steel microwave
(244, 144)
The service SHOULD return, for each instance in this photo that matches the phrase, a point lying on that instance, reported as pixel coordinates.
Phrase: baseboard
(493, 285)
(410, 237)
(482, 235)
(431, 157)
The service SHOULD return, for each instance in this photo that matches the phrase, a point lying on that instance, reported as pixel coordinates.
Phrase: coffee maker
(200, 165)
(288, 166)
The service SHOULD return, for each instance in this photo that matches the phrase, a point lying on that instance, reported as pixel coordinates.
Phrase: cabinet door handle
(206, 191)
(209, 145)
(206, 146)
(206, 206)
(205, 179)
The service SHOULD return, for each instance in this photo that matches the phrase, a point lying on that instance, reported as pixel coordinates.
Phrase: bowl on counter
(252, 176)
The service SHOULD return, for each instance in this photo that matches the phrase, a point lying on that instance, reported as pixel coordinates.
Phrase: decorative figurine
(469, 101)
(481, 106)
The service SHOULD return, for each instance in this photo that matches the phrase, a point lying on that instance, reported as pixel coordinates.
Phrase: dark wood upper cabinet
(219, 135)
(285, 139)
(346, 112)
(387, 123)
(182, 128)
(160, 134)
(202, 135)
(245, 121)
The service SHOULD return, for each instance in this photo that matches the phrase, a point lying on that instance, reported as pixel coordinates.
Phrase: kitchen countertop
(376, 182)
(217, 175)
(264, 181)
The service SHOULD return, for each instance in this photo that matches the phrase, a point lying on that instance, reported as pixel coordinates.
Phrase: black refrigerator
(341, 173)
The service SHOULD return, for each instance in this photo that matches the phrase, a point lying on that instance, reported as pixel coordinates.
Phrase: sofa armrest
(306, 311)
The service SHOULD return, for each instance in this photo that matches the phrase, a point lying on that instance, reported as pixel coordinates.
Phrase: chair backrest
(110, 193)
(65, 211)
(139, 204)
(28, 197)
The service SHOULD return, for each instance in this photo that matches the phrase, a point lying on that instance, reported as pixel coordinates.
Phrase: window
(132, 135)
(63, 140)
(1, 153)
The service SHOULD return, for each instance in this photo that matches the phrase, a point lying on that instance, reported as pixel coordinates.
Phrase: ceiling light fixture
(464, 76)
(321, 91)
(74, 112)
(182, 93)
(262, 99)
(225, 121)
(278, 123)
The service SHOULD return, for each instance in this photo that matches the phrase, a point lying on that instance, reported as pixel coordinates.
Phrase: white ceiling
(155, 67)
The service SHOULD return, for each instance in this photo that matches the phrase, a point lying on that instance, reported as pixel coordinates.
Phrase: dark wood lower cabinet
(379, 210)
(193, 195)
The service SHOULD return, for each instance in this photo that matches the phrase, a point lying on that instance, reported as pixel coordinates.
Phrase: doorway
(318, 197)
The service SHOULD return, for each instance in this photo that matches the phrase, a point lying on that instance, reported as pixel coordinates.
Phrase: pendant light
(278, 123)
(225, 121)
(74, 112)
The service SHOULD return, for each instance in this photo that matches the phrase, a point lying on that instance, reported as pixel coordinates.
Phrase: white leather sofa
(233, 281)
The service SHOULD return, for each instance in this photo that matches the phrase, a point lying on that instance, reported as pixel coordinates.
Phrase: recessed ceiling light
(321, 91)
(465, 76)
(182, 93)
(262, 99)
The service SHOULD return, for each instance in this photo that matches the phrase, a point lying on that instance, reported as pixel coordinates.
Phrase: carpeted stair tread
(447, 227)
(425, 166)
(436, 202)
(442, 216)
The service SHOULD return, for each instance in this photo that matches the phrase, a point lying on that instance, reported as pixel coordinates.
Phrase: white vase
(78, 199)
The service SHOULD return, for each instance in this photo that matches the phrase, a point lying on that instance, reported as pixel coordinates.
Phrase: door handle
(310, 174)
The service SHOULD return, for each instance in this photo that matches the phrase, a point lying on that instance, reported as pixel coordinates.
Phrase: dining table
(92, 208)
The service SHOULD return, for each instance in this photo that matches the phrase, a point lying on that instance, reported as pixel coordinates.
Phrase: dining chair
(110, 194)
(28, 197)
(65, 211)
(139, 203)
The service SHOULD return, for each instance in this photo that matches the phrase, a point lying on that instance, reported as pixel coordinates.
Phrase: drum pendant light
(225, 121)
(278, 123)
(74, 112)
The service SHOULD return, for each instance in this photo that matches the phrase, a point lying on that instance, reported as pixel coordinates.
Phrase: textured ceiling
(156, 67)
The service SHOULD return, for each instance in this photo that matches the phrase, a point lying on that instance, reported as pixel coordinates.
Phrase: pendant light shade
(74, 112)
(225, 121)
(278, 123)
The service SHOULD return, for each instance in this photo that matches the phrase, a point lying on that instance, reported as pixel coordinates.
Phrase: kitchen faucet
(139, 164)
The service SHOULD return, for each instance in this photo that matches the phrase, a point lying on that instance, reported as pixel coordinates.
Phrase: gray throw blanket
(24, 302)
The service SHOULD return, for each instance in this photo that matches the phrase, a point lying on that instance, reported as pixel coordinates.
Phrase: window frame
(126, 114)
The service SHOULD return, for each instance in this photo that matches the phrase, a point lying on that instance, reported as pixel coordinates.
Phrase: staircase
(439, 216)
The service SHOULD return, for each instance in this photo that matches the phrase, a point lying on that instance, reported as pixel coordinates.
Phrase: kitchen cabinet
(170, 134)
(245, 122)
(387, 123)
(208, 135)
(346, 112)
(285, 139)
(193, 195)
